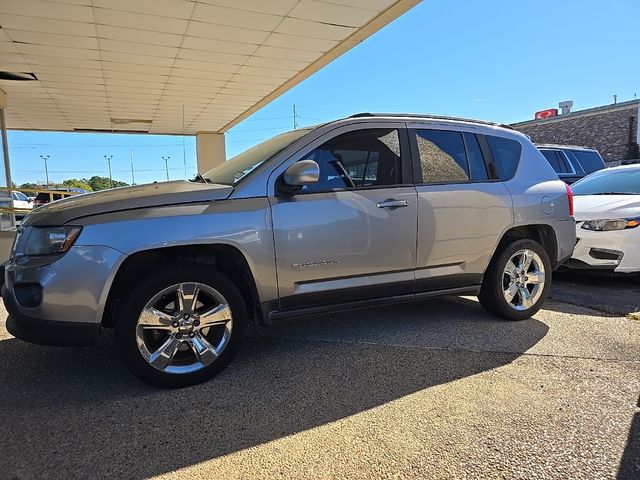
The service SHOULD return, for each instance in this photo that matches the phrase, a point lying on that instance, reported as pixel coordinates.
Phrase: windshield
(234, 170)
(609, 182)
(589, 160)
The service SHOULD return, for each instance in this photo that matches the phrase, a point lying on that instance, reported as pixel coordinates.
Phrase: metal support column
(7, 171)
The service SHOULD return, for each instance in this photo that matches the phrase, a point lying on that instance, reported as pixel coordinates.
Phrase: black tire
(154, 281)
(492, 292)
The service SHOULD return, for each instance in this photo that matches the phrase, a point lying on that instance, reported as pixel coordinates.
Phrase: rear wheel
(517, 281)
(180, 327)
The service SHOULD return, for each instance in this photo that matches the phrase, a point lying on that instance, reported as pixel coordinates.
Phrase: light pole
(108, 159)
(46, 168)
(166, 165)
(133, 178)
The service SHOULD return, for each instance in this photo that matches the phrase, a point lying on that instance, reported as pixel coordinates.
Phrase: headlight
(613, 224)
(49, 240)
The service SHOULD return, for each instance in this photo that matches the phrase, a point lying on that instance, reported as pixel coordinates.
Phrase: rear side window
(449, 157)
(506, 155)
(589, 160)
(555, 159)
(442, 156)
(477, 166)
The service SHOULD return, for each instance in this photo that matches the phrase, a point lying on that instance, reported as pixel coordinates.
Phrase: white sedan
(607, 213)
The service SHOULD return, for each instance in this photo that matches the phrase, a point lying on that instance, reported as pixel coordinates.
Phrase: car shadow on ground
(606, 296)
(78, 411)
(630, 463)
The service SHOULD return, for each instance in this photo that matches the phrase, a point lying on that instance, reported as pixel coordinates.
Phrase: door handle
(391, 203)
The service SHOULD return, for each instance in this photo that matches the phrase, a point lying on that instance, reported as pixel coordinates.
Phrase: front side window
(361, 159)
(506, 155)
(442, 156)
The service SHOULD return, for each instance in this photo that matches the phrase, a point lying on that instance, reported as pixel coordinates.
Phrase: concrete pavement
(435, 389)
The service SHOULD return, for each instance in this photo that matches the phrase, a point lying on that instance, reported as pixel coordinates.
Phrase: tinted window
(477, 167)
(555, 159)
(588, 159)
(442, 156)
(623, 181)
(506, 155)
(365, 158)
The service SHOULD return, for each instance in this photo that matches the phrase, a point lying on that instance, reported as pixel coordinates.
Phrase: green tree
(75, 183)
(102, 183)
(29, 186)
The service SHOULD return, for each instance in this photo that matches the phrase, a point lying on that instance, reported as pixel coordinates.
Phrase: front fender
(242, 223)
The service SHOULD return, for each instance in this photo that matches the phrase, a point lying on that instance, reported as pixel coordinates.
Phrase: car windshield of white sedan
(617, 182)
(234, 170)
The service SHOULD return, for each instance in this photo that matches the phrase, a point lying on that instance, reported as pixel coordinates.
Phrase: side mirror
(304, 172)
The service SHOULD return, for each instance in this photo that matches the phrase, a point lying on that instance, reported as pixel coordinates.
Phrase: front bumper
(616, 251)
(72, 295)
(47, 332)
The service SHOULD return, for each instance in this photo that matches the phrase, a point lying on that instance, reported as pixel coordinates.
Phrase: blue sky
(498, 60)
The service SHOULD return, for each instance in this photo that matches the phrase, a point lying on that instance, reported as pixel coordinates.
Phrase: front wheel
(517, 281)
(180, 327)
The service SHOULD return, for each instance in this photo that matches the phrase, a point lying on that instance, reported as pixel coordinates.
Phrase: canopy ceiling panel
(141, 65)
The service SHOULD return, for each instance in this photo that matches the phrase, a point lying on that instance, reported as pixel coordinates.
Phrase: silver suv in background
(367, 210)
(572, 163)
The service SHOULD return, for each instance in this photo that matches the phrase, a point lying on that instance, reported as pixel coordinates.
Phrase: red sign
(551, 112)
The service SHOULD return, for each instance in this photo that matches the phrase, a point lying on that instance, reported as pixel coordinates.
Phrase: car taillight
(570, 199)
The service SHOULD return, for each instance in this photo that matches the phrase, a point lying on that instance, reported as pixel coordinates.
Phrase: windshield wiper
(199, 178)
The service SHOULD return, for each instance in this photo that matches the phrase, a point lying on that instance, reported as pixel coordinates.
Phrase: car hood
(600, 207)
(126, 198)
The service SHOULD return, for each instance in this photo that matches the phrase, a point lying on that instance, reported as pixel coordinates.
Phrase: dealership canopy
(168, 66)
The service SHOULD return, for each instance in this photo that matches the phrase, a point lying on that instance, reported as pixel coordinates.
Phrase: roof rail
(435, 117)
(559, 145)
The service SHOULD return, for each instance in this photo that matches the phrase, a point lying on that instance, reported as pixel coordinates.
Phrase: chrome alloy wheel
(184, 328)
(523, 279)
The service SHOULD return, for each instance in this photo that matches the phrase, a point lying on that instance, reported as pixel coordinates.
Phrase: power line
(58, 145)
(265, 119)
(311, 118)
(247, 141)
(114, 171)
(260, 130)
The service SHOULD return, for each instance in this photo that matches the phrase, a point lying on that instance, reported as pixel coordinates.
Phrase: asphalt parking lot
(437, 389)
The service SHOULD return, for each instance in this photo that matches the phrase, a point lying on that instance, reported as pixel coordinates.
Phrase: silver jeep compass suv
(368, 210)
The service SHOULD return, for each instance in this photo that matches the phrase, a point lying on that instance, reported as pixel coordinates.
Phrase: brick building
(612, 129)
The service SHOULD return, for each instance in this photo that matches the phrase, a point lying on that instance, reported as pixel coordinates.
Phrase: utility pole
(46, 168)
(108, 159)
(133, 178)
(295, 118)
(166, 165)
